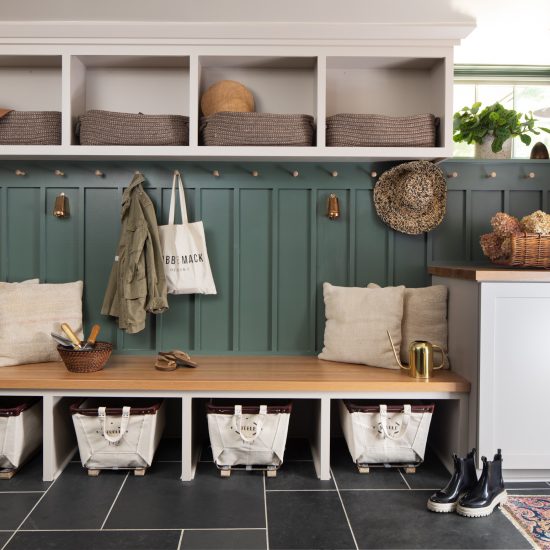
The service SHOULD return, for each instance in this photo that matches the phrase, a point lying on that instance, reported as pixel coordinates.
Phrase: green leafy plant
(472, 125)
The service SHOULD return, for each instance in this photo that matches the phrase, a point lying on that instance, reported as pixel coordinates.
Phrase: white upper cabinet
(314, 76)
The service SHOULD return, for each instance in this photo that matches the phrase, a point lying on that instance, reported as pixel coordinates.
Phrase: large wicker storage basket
(257, 129)
(529, 250)
(363, 130)
(30, 128)
(97, 127)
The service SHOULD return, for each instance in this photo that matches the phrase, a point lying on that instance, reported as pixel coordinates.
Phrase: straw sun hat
(411, 197)
(227, 95)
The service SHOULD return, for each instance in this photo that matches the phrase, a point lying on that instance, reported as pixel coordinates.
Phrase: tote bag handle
(183, 205)
(124, 421)
(384, 422)
(238, 421)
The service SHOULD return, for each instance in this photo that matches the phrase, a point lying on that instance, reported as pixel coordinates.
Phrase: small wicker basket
(31, 128)
(368, 130)
(96, 127)
(529, 250)
(87, 360)
(257, 129)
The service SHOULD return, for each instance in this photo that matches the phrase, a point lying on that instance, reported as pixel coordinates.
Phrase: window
(521, 88)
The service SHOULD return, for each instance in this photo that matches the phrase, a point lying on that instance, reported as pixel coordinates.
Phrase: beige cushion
(357, 320)
(424, 318)
(29, 312)
(27, 282)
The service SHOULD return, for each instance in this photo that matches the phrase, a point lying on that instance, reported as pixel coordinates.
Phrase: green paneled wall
(270, 244)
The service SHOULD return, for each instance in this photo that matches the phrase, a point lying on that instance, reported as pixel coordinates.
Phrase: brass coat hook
(254, 173)
(59, 173)
(452, 175)
(216, 173)
(333, 207)
(20, 172)
(374, 174)
(295, 173)
(99, 173)
(61, 206)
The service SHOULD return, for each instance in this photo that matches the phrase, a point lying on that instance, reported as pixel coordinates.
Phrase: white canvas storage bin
(112, 437)
(248, 435)
(20, 430)
(386, 434)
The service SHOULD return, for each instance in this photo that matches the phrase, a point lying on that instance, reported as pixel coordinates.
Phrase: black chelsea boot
(463, 479)
(488, 493)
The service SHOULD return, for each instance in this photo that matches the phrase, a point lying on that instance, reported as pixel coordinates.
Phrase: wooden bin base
(8, 474)
(94, 472)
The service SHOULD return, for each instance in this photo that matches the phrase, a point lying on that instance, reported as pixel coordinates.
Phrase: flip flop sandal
(180, 357)
(165, 364)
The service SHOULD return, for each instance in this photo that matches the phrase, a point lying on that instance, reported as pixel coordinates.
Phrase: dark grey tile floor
(383, 509)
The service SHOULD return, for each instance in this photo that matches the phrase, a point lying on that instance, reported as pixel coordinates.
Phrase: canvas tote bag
(386, 434)
(184, 255)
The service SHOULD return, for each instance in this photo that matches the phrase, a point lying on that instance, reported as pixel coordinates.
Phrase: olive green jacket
(137, 284)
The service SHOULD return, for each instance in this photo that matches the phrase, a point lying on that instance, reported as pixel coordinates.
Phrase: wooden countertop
(491, 273)
(237, 373)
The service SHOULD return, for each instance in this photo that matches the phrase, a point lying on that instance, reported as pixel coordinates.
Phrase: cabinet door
(514, 374)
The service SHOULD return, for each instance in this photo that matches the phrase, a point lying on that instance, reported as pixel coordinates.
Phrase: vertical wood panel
(23, 232)
(271, 247)
(177, 323)
(102, 228)
(448, 238)
(3, 234)
(217, 311)
(62, 239)
(484, 206)
(294, 318)
(255, 270)
(332, 252)
(523, 203)
(410, 260)
(371, 242)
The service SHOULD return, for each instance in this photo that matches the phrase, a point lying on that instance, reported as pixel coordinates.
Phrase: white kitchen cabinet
(499, 339)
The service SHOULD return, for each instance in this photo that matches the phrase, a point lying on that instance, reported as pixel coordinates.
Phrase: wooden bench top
(236, 373)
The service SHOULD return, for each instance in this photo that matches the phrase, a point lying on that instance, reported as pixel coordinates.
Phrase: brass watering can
(421, 358)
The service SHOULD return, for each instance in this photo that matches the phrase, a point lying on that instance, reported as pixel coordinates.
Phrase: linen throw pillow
(356, 323)
(424, 318)
(29, 312)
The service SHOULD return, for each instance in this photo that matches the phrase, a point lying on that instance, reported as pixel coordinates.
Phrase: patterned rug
(531, 514)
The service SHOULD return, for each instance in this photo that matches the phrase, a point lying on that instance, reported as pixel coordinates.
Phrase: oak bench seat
(234, 373)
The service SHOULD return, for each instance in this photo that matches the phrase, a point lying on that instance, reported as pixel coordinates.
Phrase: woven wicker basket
(257, 129)
(529, 250)
(109, 128)
(31, 128)
(88, 360)
(351, 130)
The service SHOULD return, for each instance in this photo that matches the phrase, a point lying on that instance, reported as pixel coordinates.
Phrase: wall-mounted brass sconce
(333, 207)
(61, 206)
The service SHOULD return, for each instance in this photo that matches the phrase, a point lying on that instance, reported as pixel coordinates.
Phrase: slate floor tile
(28, 478)
(76, 501)
(348, 477)
(235, 539)
(399, 519)
(4, 536)
(94, 540)
(307, 520)
(14, 508)
(297, 448)
(297, 476)
(169, 449)
(431, 474)
(206, 502)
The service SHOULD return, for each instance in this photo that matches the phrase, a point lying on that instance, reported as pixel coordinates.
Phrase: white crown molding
(178, 33)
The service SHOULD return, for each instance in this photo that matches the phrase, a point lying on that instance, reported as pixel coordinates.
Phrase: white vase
(484, 151)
